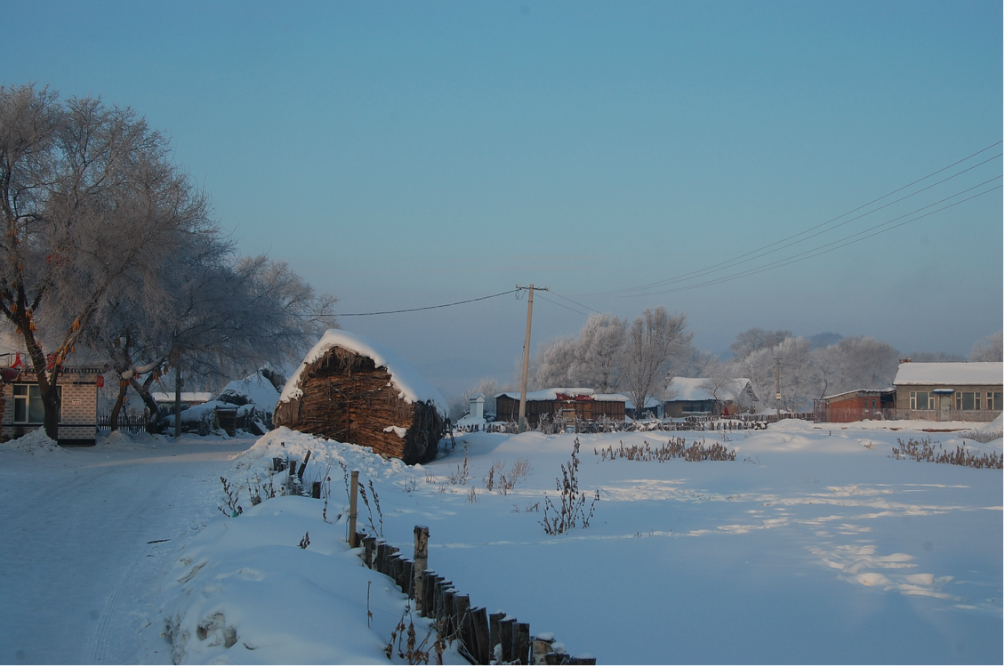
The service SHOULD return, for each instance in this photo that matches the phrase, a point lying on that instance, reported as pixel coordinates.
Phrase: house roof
(550, 395)
(411, 386)
(962, 374)
(696, 389)
(860, 392)
(186, 396)
(650, 403)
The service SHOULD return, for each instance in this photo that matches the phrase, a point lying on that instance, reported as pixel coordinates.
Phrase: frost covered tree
(109, 244)
(213, 314)
(553, 365)
(89, 199)
(753, 339)
(600, 355)
(990, 349)
(655, 341)
(801, 376)
(594, 359)
(856, 363)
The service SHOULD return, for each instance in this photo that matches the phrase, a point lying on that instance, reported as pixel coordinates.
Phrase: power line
(836, 244)
(430, 307)
(784, 242)
(561, 305)
(566, 298)
(757, 254)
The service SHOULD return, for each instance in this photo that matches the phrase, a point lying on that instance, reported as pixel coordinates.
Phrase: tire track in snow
(79, 577)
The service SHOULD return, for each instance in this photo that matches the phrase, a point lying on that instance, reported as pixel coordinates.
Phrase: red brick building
(857, 405)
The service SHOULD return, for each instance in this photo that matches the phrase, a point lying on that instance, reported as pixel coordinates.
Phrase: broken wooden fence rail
(481, 637)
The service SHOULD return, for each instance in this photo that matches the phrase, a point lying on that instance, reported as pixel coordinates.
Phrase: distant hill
(825, 339)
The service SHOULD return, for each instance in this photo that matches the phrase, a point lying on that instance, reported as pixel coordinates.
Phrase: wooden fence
(133, 424)
(689, 423)
(481, 638)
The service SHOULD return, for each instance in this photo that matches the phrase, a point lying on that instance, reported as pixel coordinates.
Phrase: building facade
(582, 404)
(78, 398)
(949, 391)
(856, 405)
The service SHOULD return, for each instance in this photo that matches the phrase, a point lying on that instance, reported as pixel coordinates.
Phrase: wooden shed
(587, 404)
(357, 391)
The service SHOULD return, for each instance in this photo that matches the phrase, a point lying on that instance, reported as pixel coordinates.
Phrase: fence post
(370, 543)
(421, 564)
(481, 633)
(505, 636)
(521, 642)
(494, 633)
(353, 503)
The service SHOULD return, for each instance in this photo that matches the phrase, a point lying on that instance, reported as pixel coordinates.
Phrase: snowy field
(813, 546)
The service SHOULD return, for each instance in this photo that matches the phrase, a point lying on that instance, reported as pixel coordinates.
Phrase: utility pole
(778, 394)
(177, 398)
(526, 355)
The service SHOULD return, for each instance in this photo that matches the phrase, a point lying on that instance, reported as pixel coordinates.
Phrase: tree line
(111, 254)
(640, 360)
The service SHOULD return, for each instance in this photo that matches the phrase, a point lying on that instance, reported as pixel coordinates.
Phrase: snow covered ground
(813, 546)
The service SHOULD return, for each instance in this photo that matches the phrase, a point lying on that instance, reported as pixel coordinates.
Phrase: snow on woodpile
(355, 390)
(412, 386)
(963, 374)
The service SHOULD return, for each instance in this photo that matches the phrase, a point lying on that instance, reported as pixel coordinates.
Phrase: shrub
(674, 448)
(572, 508)
(923, 451)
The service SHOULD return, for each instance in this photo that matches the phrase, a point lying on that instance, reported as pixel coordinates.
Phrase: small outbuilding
(584, 404)
(474, 420)
(357, 391)
(703, 396)
(856, 405)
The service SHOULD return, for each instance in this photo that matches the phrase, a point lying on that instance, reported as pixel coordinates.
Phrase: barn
(357, 391)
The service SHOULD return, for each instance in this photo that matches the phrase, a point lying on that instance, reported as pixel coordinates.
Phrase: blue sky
(403, 154)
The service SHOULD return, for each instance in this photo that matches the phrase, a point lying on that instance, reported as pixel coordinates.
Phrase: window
(997, 401)
(28, 406)
(967, 400)
(977, 401)
(921, 400)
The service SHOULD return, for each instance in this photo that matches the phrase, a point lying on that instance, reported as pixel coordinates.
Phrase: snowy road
(85, 538)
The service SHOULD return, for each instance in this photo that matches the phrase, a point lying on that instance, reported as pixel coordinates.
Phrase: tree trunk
(47, 385)
(153, 423)
(119, 401)
(50, 400)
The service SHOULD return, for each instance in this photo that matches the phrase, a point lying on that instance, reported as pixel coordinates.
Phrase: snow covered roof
(697, 389)
(861, 392)
(963, 374)
(411, 386)
(256, 389)
(552, 394)
(650, 403)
